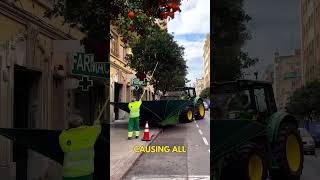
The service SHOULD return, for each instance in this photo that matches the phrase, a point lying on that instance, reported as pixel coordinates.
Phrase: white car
(308, 142)
(206, 106)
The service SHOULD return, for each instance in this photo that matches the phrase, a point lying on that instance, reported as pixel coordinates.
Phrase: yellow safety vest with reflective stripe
(78, 147)
(134, 109)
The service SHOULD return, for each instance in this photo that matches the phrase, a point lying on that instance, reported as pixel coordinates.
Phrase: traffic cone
(146, 134)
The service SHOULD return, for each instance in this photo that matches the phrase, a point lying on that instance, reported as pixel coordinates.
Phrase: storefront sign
(83, 65)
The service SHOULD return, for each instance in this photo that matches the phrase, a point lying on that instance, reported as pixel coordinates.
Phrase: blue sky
(190, 28)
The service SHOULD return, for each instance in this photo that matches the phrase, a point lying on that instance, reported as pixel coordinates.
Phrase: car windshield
(304, 132)
(230, 103)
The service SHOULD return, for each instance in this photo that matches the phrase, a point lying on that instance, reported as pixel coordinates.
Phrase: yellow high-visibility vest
(134, 109)
(78, 147)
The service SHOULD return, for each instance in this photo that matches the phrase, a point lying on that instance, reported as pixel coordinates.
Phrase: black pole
(256, 74)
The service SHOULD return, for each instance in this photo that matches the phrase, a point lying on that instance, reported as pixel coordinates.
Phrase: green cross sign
(85, 83)
(83, 64)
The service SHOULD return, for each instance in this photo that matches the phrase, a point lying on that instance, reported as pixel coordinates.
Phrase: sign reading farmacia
(83, 65)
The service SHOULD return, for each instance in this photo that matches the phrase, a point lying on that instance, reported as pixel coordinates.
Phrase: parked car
(206, 106)
(314, 129)
(308, 141)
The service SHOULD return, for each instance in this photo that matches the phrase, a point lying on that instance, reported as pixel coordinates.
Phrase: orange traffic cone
(146, 134)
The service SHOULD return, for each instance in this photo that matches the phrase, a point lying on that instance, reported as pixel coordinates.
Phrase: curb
(135, 161)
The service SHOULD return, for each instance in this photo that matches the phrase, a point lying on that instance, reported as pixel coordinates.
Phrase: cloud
(271, 32)
(194, 18)
(193, 45)
(190, 29)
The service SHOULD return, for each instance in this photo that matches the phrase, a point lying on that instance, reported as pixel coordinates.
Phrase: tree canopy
(230, 34)
(205, 93)
(94, 16)
(159, 47)
(305, 102)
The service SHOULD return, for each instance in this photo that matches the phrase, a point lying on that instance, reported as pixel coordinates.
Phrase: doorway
(117, 98)
(26, 112)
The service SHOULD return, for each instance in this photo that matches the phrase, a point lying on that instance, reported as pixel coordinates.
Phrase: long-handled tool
(101, 111)
(150, 78)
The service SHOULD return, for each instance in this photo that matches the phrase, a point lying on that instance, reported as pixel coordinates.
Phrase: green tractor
(181, 105)
(252, 139)
(194, 110)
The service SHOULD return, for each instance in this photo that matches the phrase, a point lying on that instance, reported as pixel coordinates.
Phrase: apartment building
(287, 77)
(310, 40)
(206, 61)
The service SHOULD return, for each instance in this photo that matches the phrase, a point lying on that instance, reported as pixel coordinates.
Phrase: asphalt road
(194, 163)
(311, 169)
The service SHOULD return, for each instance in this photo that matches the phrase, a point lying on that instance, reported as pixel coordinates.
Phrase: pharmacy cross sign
(85, 83)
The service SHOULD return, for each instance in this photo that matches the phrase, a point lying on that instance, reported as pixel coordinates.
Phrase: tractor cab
(188, 92)
(243, 99)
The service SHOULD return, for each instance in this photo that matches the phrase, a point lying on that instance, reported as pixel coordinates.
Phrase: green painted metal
(229, 135)
(273, 125)
(164, 112)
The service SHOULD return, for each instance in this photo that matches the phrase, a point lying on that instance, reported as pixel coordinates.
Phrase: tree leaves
(230, 34)
(305, 102)
(160, 47)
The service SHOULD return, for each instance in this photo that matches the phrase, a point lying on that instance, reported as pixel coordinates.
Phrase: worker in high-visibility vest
(134, 118)
(77, 143)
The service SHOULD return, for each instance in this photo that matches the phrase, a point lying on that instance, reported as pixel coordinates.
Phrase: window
(124, 54)
(260, 100)
(114, 45)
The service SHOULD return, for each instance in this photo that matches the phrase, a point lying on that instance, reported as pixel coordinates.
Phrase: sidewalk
(122, 156)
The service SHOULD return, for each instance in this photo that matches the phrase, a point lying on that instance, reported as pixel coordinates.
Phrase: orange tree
(133, 18)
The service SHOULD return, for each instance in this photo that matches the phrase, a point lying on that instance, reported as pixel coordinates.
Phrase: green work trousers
(133, 126)
(88, 177)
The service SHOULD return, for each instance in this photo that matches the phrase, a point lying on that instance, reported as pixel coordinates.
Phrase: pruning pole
(151, 78)
(102, 110)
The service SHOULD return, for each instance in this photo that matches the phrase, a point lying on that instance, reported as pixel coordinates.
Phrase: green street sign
(83, 65)
(137, 82)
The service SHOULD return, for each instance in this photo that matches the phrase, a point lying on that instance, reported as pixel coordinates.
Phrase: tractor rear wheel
(288, 151)
(200, 111)
(248, 163)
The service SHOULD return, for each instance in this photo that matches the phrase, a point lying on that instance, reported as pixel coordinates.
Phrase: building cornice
(25, 17)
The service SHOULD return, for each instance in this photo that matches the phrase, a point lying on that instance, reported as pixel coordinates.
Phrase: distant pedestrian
(134, 118)
(77, 143)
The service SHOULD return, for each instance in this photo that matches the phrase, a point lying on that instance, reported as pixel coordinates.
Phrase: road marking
(205, 141)
(197, 125)
(200, 132)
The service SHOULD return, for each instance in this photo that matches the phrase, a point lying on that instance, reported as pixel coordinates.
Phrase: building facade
(268, 74)
(287, 77)
(206, 61)
(199, 85)
(310, 40)
(37, 89)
